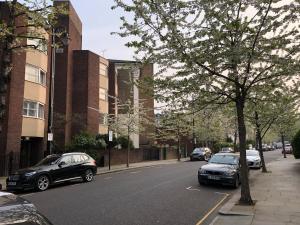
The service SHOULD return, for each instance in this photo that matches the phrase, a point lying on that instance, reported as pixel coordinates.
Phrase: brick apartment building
(82, 86)
(24, 130)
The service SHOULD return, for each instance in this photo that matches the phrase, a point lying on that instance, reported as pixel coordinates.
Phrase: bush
(87, 143)
(120, 140)
(123, 141)
(296, 145)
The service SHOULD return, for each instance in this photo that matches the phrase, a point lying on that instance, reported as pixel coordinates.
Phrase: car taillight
(94, 162)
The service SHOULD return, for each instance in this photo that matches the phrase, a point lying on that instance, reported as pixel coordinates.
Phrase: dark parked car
(17, 211)
(200, 154)
(222, 168)
(53, 169)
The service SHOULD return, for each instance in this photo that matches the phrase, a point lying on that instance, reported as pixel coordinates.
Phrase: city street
(164, 194)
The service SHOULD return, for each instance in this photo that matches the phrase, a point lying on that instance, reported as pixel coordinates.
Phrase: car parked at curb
(18, 211)
(288, 149)
(227, 150)
(222, 168)
(202, 153)
(51, 170)
(253, 159)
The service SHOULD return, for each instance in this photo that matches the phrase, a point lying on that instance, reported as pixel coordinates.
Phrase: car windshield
(224, 159)
(197, 150)
(48, 160)
(252, 153)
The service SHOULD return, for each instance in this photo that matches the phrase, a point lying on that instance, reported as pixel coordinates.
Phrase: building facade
(123, 77)
(85, 89)
(90, 93)
(23, 136)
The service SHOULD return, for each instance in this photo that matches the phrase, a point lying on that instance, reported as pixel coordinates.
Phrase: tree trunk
(245, 189)
(128, 148)
(178, 148)
(283, 146)
(259, 142)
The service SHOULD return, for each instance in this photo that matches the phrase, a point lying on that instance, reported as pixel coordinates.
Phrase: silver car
(253, 159)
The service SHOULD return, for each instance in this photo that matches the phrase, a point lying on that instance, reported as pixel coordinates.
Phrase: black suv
(53, 169)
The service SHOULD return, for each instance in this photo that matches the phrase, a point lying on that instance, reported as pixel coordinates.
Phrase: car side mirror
(61, 164)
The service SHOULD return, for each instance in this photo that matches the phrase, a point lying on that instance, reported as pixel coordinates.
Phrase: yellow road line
(213, 209)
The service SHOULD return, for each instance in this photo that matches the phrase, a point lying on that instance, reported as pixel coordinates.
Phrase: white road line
(192, 189)
(26, 195)
(135, 172)
(221, 193)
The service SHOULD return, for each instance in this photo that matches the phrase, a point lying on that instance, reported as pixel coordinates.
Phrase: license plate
(213, 177)
(12, 183)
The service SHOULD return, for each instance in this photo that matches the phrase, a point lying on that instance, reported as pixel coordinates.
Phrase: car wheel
(88, 176)
(202, 183)
(43, 183)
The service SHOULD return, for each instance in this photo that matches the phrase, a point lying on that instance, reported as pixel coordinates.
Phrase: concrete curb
(142, 166)
(233, 213)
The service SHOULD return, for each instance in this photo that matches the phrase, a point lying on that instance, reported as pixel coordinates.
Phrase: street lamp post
(64, 41)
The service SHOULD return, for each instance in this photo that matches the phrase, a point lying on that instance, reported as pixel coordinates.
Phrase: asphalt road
(165, 194)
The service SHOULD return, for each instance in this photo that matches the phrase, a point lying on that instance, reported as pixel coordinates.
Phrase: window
(38, 44)
(67, 159)
(33, 109)
(34, 74)
(84, 158)
(103, 119)
(103, 69)
(76, 159)
(103, 94)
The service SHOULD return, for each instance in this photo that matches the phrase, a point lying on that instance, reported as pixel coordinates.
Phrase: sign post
(110, 139)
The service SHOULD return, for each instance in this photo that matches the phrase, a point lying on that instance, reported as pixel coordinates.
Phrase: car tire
(42, 183)
(88, 175)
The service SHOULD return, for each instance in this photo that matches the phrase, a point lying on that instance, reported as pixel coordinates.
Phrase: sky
(98, 22)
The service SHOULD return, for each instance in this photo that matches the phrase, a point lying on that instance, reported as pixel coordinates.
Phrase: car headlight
(230, 173)
(256, 160)
(30, 174)
(202, 171)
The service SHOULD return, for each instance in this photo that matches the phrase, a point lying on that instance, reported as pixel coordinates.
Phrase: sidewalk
(122, 167)
(276, 194)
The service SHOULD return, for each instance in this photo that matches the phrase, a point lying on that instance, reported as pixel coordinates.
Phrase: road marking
(107, 178)
(26, 195)
(213, 209)
(221, 193)
(192, 189)
(135, 172)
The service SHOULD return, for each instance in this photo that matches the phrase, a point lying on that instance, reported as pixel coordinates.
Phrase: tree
(219, 50)
(296, 145)
(288, 114)
(173, 125)
(27, 26)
